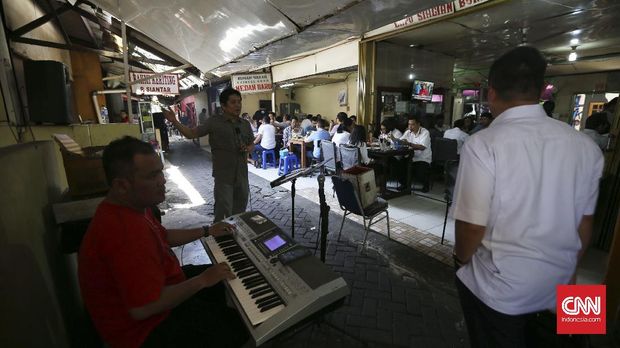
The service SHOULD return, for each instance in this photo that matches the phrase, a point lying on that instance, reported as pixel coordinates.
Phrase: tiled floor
(399, 297)
(415, 221)
(418, 222)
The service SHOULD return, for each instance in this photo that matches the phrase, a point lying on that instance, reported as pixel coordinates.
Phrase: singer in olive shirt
(231, 140)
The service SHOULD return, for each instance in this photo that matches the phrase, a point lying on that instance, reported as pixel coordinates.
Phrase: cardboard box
(83, 167)
(363, 179)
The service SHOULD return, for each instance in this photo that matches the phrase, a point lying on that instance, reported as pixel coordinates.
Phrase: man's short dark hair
(460, 123)
(314, 119)
(486, 115)
(118, 156)
(266, 120)
(322, 123)
(271, 113)
(294, 118)
(227, 93)
(415, 118)
(353, 117)
(204, 110)
(518, 74)
(341, 116)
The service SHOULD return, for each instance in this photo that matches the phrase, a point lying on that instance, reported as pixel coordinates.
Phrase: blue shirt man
(320, 134)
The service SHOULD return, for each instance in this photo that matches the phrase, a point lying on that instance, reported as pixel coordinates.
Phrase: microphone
(239, 138)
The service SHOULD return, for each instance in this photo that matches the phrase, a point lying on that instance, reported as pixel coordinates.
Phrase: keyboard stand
(317, 319)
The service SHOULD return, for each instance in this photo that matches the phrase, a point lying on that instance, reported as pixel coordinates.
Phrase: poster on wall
(163, 84)
(342, 97)
(252, 83)
(187, 115)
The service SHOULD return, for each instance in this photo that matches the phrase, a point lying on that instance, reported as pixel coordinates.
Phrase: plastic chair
(287, 164)
(349, 156)
(350, 203)
(328, 152)
(267, 153)
(450, 171)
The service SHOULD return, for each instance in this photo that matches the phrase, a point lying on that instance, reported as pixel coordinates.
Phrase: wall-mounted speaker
(48, 88)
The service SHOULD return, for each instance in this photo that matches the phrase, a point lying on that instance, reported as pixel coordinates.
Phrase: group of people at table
(345, 131)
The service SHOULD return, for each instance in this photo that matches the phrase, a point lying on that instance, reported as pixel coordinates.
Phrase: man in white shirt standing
(265, 138)
(419, 139)
(457, 133)
(524, 199)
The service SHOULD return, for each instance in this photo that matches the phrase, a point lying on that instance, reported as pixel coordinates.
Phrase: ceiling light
(574, 42)
(411, 76)
(286, 85)
(572, 57)
(412, 45)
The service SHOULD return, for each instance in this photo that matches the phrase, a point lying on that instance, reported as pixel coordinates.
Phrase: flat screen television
(437, 98)
(422, 90)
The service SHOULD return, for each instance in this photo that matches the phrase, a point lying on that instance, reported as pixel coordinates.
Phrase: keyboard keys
(252, 290)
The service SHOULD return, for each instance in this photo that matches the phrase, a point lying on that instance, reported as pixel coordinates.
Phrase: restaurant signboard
(252, 83)
(162, 84)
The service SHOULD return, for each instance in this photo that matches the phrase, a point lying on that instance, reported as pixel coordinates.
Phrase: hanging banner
(463, 4)
(426, 15)
(164, 84)
(254, 83)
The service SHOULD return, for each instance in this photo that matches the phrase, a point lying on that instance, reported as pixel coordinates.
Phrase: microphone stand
(293, 207)
(292, 177)
(324, 213)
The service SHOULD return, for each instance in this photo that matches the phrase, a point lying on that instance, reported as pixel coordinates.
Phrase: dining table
(299, 141)
(382, 157)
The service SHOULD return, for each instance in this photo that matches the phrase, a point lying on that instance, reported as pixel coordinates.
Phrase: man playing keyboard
(132, 284)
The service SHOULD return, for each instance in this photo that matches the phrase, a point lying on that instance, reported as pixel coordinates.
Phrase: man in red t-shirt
(132, 284)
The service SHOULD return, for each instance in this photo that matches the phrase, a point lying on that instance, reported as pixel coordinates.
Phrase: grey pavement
(399, 296)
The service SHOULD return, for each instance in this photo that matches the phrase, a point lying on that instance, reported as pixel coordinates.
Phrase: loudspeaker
(49, 92)
(265, 104)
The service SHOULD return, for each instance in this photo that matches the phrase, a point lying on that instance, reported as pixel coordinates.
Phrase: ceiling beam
(40, 21)
(62, 46)
(58, 22)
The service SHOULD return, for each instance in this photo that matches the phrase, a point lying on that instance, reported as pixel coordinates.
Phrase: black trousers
(421, 172)
(490, 328)
(203, 320)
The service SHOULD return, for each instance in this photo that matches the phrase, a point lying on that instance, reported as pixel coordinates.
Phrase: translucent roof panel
(205, 33)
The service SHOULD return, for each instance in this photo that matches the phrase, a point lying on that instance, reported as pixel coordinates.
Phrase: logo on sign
(577, 305)
(581, 309)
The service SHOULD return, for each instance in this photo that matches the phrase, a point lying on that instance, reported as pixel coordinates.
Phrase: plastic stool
(287, 164)
(273, 158)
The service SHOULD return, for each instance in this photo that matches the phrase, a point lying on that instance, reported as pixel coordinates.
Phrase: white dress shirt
(457, 134)
(422, 137)
(268, 136)
(340, 138)
(529, 179)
